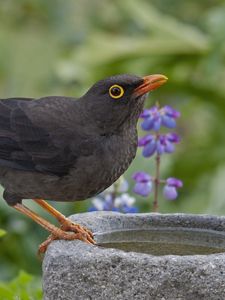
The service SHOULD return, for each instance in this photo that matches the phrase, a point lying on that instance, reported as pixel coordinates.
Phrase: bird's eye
(116, 91)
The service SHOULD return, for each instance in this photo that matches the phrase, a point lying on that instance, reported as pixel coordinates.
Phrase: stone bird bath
(139, 256)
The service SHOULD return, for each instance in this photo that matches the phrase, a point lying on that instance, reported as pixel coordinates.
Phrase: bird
(58, 148)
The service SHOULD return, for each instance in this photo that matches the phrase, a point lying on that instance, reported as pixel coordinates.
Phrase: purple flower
(170, 189)
(163, 143)
(168, 142)
(177, 183)
(149, 149)
(168, 122)
(150, 112)
(157, 124)
(155, 117)
(171, 112)
(169, 147)
(173, 137)
(141, 177)
(143, 184)
(170, 192)
(145, 113)
(168, 116)
(152, 119)
(145, 140)
(148, 142)
(143, 188)
(160, 145)
(147, 124)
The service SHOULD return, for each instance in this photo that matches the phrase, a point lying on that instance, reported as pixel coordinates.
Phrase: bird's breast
(122, 153)
(97, 172)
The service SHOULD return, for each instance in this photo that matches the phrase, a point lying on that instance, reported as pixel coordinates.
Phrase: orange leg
(60, 217)
(67, 225)
(56, 233)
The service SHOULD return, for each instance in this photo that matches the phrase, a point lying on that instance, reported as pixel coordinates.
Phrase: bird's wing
(36, 135)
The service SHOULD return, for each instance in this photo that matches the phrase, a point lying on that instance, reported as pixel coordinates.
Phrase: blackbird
(66, 149)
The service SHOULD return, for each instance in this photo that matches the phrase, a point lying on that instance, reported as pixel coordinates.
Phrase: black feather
(26, 146)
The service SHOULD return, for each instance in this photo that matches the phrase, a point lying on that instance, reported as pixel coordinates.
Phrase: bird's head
(118, 100)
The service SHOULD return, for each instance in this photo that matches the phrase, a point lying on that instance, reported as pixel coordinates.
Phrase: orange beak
(151, 82)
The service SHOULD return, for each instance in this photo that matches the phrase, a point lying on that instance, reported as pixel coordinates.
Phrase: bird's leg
(57, 233)
(66, 224)
(58, 215)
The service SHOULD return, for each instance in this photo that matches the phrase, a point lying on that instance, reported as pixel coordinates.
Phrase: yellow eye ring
(116, 91)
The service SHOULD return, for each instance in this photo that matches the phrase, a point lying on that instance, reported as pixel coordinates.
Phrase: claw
(71, 231)
(77, 228)
(43, 246)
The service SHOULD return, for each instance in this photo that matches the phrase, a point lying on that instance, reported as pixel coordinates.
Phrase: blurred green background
(60, 47)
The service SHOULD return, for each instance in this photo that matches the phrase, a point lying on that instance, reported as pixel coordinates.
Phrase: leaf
(151, 18)
(24, 287)
(2, 232)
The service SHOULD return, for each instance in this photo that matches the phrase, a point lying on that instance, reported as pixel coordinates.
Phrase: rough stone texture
(75, 270)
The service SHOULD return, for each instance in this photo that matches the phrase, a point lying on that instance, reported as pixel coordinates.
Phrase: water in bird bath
(161, 241)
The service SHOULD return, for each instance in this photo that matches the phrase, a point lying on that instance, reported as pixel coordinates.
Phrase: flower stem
(157, 183)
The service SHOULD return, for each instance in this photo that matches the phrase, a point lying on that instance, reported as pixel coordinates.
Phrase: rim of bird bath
(155, 233)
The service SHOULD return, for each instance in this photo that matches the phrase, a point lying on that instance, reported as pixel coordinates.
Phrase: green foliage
(61, 47)
(2, 232)
(23, 287)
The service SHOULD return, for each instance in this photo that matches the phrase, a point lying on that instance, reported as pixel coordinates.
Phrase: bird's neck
(130, 124)
(112, 123)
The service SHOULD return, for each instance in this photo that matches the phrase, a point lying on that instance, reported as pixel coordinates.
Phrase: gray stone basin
(139, 256)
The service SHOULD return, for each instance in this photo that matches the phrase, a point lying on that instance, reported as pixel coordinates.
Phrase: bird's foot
(68, 231)
(43, 246)
(68, 225)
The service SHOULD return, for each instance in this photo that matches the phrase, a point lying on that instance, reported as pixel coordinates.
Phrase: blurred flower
(161, 143)
(115, 198)
(170, 189)
(143, 185)
(177, 183)
(124, 199)
(103, 202)
(155, 117)
(170, 112)
(173, 137)
(170, 192)
(165, 143)
(125, 203)
(158, 144)
(152, 119)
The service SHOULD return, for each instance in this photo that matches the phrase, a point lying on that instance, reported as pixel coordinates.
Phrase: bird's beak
(151, 82)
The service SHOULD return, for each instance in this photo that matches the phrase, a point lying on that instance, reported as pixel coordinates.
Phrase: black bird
(66, 149)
